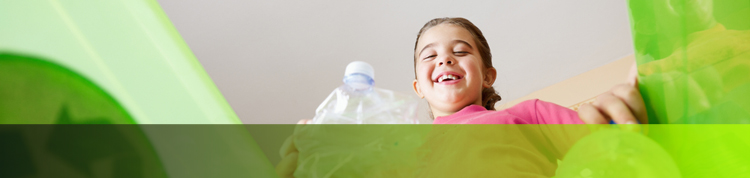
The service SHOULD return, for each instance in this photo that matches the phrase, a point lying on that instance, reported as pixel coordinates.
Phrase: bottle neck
(359, 82)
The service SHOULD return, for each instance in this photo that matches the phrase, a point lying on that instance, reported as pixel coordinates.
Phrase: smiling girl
(454, 73)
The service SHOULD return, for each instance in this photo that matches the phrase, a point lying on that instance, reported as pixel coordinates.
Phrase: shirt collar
(466, 110)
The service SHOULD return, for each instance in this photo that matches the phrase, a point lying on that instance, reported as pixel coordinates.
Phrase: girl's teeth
(449, 76)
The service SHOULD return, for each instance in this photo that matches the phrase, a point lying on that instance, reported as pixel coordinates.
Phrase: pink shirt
(525, 140)
(528, 112)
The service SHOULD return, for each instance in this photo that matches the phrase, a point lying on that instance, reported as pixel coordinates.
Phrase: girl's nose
(448, 61)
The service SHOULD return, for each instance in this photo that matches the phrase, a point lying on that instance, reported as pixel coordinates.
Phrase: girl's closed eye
(461, 53)
(430, 57)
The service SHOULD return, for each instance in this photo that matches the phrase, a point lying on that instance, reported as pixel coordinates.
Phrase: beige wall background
(581, 88)
(275, 61)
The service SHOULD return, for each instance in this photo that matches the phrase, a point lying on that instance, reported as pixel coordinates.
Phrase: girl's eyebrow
(453, 42)
(464, 42)
(425, 47)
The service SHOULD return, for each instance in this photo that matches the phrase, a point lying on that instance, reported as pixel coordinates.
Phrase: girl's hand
(622, 104)
(289, 154)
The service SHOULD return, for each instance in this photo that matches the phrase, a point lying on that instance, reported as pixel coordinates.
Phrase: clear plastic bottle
(381, 141)
(359, 102)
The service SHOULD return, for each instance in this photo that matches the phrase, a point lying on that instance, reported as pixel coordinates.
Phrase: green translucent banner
(693, 59)
(655, 150)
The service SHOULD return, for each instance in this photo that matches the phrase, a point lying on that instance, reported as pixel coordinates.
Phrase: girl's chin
(451, 105)
(451, 100)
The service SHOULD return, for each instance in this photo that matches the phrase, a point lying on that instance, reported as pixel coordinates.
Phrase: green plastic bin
(693, 60)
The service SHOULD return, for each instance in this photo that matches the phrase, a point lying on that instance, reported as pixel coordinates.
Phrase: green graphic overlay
(112, 62)
(128, 48)
(77, 151)
(36, 91)
(653, 150)
(39, 92)
(615, 153)
(693, 59)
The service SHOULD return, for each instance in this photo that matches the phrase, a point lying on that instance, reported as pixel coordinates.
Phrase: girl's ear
(416, 89)
(489, 77)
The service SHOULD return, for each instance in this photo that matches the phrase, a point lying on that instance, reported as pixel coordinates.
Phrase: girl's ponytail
(489, 98)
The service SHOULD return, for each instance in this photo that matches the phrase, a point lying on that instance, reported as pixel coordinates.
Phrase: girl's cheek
(422, 71)
(425, 74)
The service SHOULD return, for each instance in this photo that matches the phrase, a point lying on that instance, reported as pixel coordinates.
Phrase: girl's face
(450, 73)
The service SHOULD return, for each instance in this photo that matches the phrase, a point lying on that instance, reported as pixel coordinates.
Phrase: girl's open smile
(448, 78)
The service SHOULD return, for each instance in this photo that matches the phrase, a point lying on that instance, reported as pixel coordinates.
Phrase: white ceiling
(275, 61)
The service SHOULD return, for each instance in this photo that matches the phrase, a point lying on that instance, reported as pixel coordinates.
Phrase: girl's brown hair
(489, 96)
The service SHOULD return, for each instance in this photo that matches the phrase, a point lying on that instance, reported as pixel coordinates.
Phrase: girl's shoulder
(543, 112)
(532, 111)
